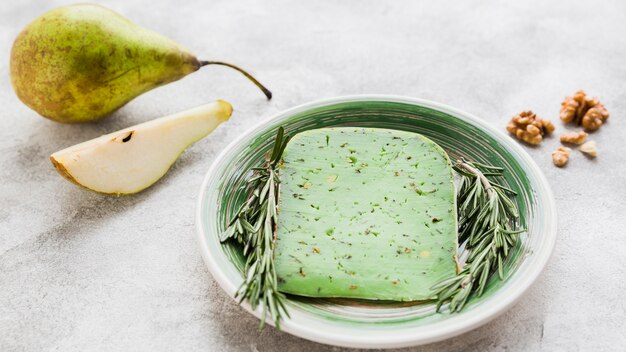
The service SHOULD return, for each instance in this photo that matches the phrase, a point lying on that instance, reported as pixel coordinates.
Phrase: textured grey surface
(80, 271)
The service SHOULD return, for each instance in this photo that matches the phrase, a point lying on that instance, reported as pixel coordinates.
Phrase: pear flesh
(80, 63)
(132, 159)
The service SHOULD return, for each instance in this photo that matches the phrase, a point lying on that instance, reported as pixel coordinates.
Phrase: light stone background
(81, 271)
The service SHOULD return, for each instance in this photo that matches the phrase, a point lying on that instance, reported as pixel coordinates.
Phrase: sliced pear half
(133, 159)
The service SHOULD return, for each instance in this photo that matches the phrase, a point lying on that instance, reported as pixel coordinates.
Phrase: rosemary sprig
(487, 222)
(254, 227)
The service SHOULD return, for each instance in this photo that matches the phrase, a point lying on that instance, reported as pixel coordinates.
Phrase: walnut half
(584, 111)
(527, 127)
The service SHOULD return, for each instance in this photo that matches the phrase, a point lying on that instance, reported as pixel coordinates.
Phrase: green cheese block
(365, 213)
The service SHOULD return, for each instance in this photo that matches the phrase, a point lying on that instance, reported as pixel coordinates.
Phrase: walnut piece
(583, 111)
(589, 149)
(527, 127)
(595, 117)
(560, 157)
(574, 137)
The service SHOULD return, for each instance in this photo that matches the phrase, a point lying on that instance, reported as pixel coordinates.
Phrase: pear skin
(81, 62)
(131, 160)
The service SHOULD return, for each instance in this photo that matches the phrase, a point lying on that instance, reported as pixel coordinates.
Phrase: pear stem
(266, 91)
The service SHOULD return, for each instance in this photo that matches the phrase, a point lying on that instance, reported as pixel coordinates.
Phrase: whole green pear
(81, 62)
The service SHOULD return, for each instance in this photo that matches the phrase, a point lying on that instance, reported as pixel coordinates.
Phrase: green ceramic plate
(370, 324)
